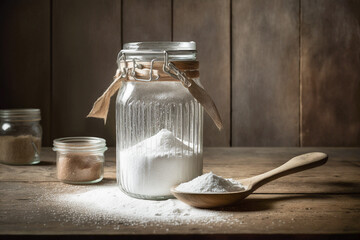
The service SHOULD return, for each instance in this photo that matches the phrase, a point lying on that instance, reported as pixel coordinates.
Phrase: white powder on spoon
(210, 182)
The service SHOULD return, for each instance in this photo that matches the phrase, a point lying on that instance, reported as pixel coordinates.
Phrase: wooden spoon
(211, 200)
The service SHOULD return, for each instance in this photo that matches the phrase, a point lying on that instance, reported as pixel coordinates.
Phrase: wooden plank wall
(85, 42)
(25, 80)
(265, 70)
(282, 72)
(330, 73)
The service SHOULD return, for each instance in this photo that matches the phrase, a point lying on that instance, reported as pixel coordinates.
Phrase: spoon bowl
(212, 200)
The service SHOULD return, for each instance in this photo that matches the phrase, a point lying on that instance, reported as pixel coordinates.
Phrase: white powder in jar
(154, 165)
(210, 182)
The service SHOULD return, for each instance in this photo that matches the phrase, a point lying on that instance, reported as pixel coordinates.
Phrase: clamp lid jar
(159, 123)
(159, 117)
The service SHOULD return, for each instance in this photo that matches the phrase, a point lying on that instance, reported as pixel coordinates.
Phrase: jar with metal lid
(80, 160)
(20, 136)
(159, 117)
(159, 123)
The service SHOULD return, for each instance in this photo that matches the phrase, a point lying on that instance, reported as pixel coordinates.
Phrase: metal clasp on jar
(125, 70)
(139, 66)
(174, 72)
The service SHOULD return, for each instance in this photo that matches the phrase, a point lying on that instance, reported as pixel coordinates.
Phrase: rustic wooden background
(282, 72)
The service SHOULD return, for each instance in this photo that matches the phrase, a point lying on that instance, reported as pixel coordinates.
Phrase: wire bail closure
(170, 69)
(123, 72)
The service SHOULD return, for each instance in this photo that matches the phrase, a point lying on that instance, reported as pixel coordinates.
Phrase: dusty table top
(319, 202)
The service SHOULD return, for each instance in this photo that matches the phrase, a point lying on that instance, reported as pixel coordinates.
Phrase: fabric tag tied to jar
(183, 71)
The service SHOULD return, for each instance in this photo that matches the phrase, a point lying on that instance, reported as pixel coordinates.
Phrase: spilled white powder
(154, 165)
(210, 182)
(107, 204)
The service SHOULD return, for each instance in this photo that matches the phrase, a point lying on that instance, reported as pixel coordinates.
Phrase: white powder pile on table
(210, 182)
(107, 204)
(154, 165)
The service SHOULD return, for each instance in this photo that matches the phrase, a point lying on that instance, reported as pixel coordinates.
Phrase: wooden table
(318, 203)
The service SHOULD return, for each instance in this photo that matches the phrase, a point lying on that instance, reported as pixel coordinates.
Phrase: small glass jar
(80, 160)
(159, 123)
(20, 136)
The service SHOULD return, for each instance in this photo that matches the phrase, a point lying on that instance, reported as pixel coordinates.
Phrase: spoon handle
(294, 165)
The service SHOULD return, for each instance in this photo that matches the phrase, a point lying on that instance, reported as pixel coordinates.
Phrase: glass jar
(20, 136)
(159, 124)
(80, 160)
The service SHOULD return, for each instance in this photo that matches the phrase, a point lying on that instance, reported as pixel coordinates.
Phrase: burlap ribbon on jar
(183, 71)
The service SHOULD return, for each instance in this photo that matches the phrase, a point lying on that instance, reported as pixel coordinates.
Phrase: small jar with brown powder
(80, 160)
(20, 136)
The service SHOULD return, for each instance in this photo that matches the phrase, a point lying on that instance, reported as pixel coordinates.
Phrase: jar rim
(147, 51)
(80, 144)
(21, 114)
(160, 46)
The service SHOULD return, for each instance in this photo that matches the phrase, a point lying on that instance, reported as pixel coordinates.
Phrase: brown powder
(19, 150)
(79, 168)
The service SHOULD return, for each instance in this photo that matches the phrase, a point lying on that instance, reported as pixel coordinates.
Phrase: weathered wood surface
(330, 73)
(320, 201)
(86, 40)
(265, 73)
(260, 214)
(25, 58)
(208, 24)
